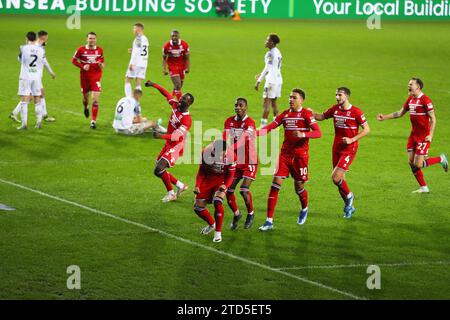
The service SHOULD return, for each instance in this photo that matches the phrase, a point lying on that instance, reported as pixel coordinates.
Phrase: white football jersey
(139, 55)
(32, 59)
(126, 110)
(272, 69)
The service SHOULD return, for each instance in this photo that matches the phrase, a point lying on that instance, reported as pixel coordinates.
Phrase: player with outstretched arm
(179, 124)
(423, 122)
(347, 119)
(299, 126)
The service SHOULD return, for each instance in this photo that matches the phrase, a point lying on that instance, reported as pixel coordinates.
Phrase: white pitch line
(187, 241)
(340, 266)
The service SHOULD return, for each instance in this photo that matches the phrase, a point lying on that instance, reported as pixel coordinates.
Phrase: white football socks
(44, 107)
(39, 112)
(16, 110)
(180, 184)
(24, 113)
(128, 89)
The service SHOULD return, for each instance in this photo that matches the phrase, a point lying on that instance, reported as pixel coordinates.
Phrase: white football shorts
(27, 87)
(272, 91)
(137, 72)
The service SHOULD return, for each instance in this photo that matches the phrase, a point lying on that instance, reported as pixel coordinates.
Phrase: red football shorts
(208, 187)
(170, 154)
(90, 83)
(296, 166)
(246, 171)
(418, 145)
(177, 70)
(343, 156)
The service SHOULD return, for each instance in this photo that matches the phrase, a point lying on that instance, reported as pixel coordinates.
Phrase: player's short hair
(191, 96)
(345, 90)
(243, 100)
(274, 38)
(175, 31)
(42, 33)
(139, 25)
(137, 91)
(31, 36)
(91, 34)
(301, 92)
(419, 82)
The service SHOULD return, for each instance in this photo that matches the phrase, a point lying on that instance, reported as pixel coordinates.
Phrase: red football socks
(419, 177)
(272, 200)
(166, 179)
(344, 191)
(205, 215)
(172, 178)
(94, 111)
(430, 161)
(303, 196)
(218, 214)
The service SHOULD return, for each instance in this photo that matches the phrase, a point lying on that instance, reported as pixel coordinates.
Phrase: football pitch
(89, 198)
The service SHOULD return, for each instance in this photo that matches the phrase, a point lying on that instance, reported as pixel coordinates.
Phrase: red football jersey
(176, 53)
(419, 109)
(179, 125)
(90, 56)
(291, 120)
(245, 151)
(346, 122)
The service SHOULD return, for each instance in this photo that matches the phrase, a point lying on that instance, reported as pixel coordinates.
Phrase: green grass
(113, 174)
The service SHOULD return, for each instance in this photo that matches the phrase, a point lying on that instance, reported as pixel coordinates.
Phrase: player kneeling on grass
(299, 126)
(215, 175)
(128, 119)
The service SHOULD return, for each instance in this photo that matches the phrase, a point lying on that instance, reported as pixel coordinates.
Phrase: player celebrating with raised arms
(423, 121)
(272, 74)
(176, 57)
(179, 124)
(347, 120)
(299, 126)
(32, 60)
(89, 58)
(240, 130)
(137, 67)
(214, 177)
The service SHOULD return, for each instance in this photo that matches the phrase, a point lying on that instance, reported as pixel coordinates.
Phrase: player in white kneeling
(128, 119)
(32, 59)
(137, 67)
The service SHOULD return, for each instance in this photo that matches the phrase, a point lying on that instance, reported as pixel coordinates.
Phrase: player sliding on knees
(299, 126)
(240, 131)
(128, 119)
(179, 124)
(423, 121)
(214, 177)
(89, 58)
(347, 120)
